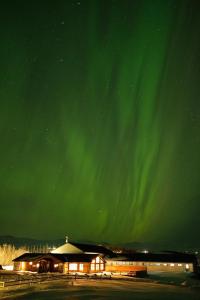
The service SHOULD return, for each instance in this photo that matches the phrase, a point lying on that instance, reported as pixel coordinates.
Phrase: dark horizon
(100, 120)
(20, 241)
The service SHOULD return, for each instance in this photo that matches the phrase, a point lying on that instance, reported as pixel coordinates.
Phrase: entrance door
(46, 265)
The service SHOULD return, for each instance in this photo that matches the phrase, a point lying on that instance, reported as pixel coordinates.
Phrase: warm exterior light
(56, 265)
(30, 263)
(23, 265)
(37, 265)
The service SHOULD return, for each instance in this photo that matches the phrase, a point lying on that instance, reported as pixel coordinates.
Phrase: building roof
(28, 257)
(79, 257)
(155, 257)
(59, 257)
(67, 248)
(96, 249)
(78, 248)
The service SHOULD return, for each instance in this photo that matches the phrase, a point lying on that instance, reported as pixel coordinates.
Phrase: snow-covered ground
(183, 279)
(150, 289)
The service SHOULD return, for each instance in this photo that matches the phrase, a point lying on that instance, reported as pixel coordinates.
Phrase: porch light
(55, 265)
(31, 263)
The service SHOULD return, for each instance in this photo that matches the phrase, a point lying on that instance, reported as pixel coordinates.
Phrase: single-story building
(63, 263)
(165, 261)
(88, 258)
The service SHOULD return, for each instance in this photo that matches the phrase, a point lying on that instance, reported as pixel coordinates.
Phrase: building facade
(166, 261)
(85, 258)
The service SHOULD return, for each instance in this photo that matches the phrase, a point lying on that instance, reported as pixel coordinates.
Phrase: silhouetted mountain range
(24, 241)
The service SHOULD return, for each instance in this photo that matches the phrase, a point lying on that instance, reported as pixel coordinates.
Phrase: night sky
(100, 120)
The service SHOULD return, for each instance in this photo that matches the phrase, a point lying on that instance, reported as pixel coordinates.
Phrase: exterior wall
(24, 266)
(169, 267)
(16, 266)
(34, 266)
(96, 266)
(124, 268)
(80, 267)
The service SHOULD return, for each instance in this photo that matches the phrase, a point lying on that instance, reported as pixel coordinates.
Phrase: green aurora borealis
(100, 120)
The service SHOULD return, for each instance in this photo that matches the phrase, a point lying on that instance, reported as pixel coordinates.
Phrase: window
(102, 267)
(97, 260)
(92, 267)
(80, 267)
(73, 267)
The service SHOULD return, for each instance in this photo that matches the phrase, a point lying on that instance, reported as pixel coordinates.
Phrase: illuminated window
(37, 265)
(30, 263)
(180, 265)
(73, 267)
(97, 267)
(172, 265)
(92, 267)
(80, 267)
(93, 261)
(56, 265)
(165, 264)
(102, 267)
(97, 260)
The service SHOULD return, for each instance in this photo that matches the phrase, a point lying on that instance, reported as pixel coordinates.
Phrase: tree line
(9, 252)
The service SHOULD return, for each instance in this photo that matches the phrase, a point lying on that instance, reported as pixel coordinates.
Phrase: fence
(33, 279)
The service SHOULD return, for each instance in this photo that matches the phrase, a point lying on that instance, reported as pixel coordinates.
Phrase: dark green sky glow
(100, 120)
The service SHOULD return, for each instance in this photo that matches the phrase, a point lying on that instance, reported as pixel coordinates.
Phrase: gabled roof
(67, 248)
(29, 257)
(78, 248)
